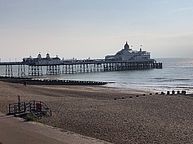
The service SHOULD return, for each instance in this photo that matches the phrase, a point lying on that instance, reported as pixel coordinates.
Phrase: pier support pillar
(21, 71)
(9, 70)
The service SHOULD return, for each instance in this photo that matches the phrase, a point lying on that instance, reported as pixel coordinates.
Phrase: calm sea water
(177, 74)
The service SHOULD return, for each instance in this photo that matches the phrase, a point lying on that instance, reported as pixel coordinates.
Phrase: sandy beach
(114, 115)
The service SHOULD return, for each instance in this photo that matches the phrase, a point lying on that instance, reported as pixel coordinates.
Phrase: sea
(177, 74)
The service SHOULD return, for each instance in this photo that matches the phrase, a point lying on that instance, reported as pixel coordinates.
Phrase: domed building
(127, 54)
(47, 56)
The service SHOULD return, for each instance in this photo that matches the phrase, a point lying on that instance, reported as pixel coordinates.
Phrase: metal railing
(36, 107)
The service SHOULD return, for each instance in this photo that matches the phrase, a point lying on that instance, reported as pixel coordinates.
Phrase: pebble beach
(114, 115)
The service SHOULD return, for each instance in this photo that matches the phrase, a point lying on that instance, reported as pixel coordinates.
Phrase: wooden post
(9, 108)
(19, 103)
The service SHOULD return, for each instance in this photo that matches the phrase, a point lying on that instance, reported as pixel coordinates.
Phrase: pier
(123, 60)
(75, 66)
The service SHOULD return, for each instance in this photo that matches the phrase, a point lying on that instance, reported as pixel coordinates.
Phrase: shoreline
(153, 89)
(111, 114)
(111, 84)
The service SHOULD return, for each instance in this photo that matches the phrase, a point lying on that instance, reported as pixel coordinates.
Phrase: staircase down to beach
(36, 108)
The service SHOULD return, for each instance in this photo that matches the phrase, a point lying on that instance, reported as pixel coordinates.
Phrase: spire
(126, 46)
(39, 56)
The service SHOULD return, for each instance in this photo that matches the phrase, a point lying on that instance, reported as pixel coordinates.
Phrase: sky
(95, 28)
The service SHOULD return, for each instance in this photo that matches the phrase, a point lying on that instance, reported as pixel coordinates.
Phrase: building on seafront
(127, 54)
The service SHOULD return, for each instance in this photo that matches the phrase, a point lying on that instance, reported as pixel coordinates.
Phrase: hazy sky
(95, 28)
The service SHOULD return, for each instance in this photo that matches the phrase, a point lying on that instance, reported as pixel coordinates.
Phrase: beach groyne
(30, 81)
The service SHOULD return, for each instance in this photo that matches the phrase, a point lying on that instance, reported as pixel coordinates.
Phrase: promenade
(16, 131)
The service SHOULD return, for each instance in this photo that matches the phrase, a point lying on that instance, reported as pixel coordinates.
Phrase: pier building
(40, 61)
(127, 54)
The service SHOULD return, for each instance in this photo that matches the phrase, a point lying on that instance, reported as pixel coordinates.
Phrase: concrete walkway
(16, 131)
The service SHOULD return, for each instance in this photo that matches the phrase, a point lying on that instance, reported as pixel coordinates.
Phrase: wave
(171, 80)
(159, 78)
(185, 87)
